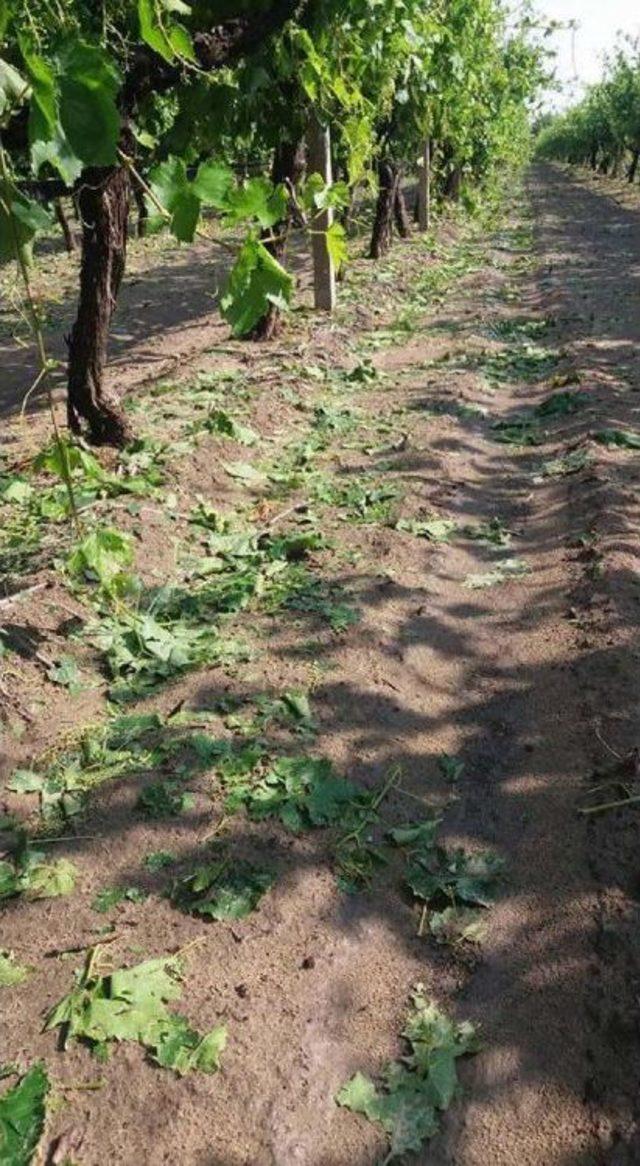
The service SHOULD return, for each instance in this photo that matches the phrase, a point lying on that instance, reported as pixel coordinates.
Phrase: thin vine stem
(38, 335)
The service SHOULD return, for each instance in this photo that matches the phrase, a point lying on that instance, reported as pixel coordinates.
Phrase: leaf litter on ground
(504, 572)
(130, 1004)
(11, 972)
(418, 1087)
(222, 889)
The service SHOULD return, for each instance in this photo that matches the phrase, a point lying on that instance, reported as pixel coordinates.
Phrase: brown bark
(104, 208)
(631, 172)
(63, 222)
(401, 214)
(453, 184)
(388, 179)
(143, 210)
(288, 166)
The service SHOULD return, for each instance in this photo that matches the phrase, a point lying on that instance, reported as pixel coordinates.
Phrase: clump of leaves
(436, 530)
(570, 463)
(12, 973)
(518, 431)
(622, 438)
(111, 897)
(164, 799)
(456, 925)
(103, 557)
(451, 768)
(22, 1117)
(291, 710)
(64, 460)
(300, 591)
(302, 792)
(494, 532)
(144, 650)
(518, 329)
(222, 889)
(67, 674)
(365, 502)
(130, 1004)
(220, 422)
(159, 860)
(450, 883)
(519, 362)
(99, 754)
(442, 877)
(503, 573)
(362, 373)
(358, 855)
(29, 872)
(561, 404)
(417, 1088)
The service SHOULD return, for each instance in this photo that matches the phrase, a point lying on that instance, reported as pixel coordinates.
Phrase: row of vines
(603, 130)
(155, 101)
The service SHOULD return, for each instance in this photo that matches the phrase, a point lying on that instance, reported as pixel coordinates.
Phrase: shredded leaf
(131, 1004)
(415, 1089)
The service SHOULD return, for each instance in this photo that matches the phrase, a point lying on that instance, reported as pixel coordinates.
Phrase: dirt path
(512, 648)
(555, 661)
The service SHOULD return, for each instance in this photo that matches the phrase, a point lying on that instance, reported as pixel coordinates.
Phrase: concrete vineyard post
(424, 189)
(319, 162)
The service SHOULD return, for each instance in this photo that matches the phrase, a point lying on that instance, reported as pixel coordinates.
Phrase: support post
(319, 162)
(424, 189)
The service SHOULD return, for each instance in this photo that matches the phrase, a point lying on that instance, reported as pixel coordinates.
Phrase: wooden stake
(324, 276)
(424, 189)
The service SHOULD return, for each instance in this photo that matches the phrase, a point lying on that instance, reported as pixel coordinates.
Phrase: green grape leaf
(102, 556)
(256, 281)
(58, 153)
(22, 1116)
(165, 36)
(89, 116)
(336, 237)
(11, 973)
(43, 113)
(14, 88)
(257, 199)
(419, 1085)
(51, 880)
(131, 1005)
(213, 183)
(186, 213)
(220, 891)
(20, 219)
(183, 1050)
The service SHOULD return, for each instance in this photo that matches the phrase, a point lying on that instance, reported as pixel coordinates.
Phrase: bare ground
(522, 680)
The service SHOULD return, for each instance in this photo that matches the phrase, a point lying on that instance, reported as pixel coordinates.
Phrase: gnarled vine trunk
(63, 223)
(288, 166)
(388, 179)
(143, 210)
(401, 214)
(104, 197)
(631, 172)
(453, 184)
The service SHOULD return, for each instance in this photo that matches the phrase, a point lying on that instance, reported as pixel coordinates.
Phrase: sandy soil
(523, 681)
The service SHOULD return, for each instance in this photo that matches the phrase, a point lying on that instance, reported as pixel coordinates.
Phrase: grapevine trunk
(388, 178)
(104, 208)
